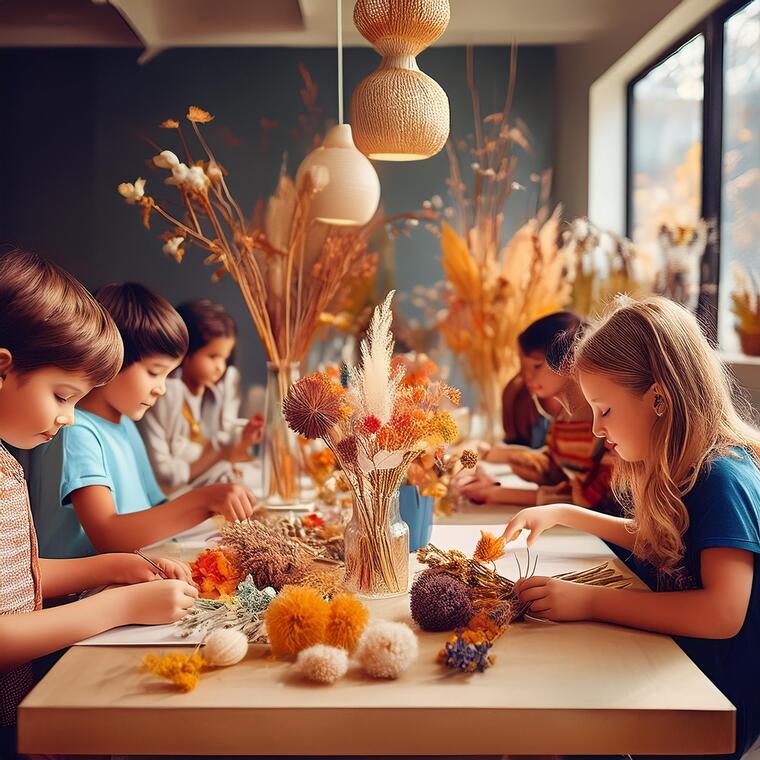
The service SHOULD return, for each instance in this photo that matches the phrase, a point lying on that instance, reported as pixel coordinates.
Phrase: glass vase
(376, 545)
(281, 458)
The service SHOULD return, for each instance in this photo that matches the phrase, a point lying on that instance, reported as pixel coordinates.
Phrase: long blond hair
(638, 344)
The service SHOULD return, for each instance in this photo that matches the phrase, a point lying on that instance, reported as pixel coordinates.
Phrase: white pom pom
(225, 646)
(322, 663)
(387, 649)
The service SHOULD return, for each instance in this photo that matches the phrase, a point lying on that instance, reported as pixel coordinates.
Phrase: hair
(554, 336)
(48, 319)
(148, 323)
(205, 321)
(655, 341)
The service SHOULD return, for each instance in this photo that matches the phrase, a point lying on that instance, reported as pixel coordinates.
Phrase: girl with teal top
(688, 473)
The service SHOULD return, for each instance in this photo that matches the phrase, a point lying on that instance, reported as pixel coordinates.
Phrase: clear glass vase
(281, 458)
(376, 545)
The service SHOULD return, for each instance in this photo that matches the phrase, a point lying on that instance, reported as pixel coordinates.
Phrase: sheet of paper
(141, 636)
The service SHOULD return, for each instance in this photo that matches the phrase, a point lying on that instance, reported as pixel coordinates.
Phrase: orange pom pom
(346, 623)
(296, 619)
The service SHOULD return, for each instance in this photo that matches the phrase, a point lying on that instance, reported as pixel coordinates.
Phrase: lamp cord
(340, 60)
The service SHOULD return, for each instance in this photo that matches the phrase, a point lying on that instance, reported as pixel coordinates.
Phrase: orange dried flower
(485, 625)
(469, 459)
(198, 115)
(489, 548)
(215, 573)
(169, 124)
(312, 406)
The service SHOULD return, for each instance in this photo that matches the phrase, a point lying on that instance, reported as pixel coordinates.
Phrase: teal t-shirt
(96, 452)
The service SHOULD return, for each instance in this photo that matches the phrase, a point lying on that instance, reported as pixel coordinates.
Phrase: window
(666, 149)
(740, 189)
(694, 153)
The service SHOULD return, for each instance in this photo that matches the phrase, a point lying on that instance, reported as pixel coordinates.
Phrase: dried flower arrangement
(493, 291)
(479, 603)
(745, 304)
(375, 426)
(324, 541)
(604, 264)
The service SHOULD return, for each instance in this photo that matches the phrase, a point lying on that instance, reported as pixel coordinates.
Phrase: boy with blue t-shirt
(109, 497)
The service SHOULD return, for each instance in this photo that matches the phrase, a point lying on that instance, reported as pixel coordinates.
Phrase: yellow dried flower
(445, 426)
(169, 124)
(469, 459)
(183, 670)
(198, 115)
(489, 548)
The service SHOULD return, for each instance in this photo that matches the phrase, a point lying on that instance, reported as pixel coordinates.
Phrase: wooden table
(574, 688)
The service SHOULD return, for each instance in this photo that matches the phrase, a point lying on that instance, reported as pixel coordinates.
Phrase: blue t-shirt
(724, 511)
(96, 452)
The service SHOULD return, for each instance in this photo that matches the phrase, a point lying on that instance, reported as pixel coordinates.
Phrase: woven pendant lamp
(352, 193)
(398, 112)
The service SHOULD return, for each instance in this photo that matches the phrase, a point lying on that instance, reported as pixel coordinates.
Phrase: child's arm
(111, 532)
(68, 576)
(616, 530)
(716, 611)
(25, 636)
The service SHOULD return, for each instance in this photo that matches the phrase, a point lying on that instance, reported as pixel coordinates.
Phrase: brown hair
(148, 323)
(205, 321)
(48, 319)
(638, 344)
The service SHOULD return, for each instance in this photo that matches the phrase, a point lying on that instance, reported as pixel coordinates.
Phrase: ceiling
(156, 25)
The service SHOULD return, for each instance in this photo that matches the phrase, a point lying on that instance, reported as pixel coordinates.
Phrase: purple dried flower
(440, 602)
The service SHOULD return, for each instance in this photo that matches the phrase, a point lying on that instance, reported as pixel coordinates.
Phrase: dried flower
(348, 450)
(198, 115)
(296, 619)
(214, 171)
(182, 670)
(468, 652)
(215, 573)
(169, 124)
(132, 193)
(440, 602)
(469, 459)
(346, 623)
(265, 554)
(489, 548)
(173, 247)
(166, 160)
(312, 406)
(370, 424)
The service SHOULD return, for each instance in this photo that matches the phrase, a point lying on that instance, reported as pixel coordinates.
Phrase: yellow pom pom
(346, 623)
(296, 619)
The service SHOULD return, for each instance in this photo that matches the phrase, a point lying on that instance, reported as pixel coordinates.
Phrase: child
(573, 465)
(106, 476)
(190, 434)
(56, 343)
(688, 472)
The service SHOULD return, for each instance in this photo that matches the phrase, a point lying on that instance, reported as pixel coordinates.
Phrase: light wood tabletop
(572, 688)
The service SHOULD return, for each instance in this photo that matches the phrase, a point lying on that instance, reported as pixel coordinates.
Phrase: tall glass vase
(486, 421)
(281, 457)
(376, 544)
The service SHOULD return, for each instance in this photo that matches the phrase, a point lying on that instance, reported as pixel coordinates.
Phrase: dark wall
(71, 124)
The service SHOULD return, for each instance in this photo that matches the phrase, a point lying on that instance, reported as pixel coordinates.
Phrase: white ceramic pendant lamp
(398, 112)
(352, 193)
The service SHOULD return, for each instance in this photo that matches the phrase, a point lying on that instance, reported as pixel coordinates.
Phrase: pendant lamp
(352, 193)
(398, 112)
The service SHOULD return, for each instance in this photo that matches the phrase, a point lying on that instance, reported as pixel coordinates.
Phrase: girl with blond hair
(690, 480)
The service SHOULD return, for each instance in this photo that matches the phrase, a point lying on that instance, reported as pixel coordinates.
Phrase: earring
(659, 405)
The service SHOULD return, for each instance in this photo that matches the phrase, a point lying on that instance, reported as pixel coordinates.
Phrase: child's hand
(157, 602)
(534, 519)
(475, 485)
(555, 599)
(230, 500)
(132, 568)
(253, 432)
